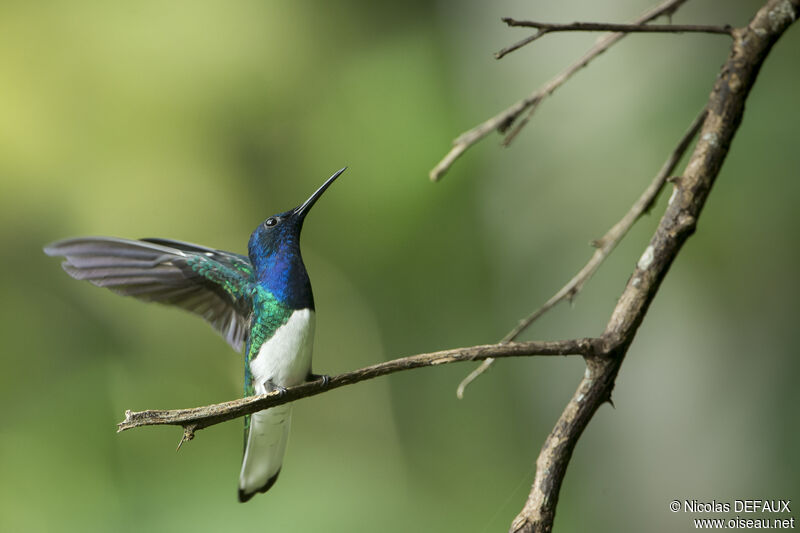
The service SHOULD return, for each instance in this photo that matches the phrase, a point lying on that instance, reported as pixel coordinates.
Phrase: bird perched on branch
(261, 302)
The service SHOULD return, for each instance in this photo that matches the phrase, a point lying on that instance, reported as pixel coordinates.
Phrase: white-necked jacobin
(262, 302)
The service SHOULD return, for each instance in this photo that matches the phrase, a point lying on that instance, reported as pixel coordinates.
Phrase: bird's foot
(271, 387)
(325, 378)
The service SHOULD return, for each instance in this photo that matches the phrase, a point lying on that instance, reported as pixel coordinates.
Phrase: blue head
(274, 250)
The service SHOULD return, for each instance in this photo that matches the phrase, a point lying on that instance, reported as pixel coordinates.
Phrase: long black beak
(302, 211)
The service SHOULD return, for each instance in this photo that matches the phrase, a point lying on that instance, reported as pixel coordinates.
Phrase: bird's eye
(271, 221)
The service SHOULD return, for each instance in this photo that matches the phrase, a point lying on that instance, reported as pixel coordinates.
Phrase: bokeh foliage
(195, 121)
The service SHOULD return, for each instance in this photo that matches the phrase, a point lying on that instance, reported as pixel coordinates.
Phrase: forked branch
(725, 110)
(604, 246)
(505, 119)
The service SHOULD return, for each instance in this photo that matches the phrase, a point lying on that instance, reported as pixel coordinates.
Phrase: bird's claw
(272, 387)
(325, 378)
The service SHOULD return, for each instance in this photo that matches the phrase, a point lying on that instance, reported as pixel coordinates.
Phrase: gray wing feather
(158, 270)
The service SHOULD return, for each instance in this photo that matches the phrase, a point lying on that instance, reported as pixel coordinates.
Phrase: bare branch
(605, 245)
(725, 110)
(505, 119)
(545, 28)
(198, 418)
(604, 355)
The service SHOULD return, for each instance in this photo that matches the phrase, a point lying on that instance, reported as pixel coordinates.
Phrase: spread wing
(211, 283)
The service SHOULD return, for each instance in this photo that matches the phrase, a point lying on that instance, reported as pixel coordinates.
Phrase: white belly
(285, 359)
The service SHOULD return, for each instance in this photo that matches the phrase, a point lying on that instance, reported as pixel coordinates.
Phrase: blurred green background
(196, 120)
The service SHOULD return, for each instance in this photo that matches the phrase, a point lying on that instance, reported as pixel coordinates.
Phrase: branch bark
(725, 109)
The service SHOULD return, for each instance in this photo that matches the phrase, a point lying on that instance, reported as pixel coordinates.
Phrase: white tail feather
(266, 445)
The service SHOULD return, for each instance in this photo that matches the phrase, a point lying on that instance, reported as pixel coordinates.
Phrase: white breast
(285, 359)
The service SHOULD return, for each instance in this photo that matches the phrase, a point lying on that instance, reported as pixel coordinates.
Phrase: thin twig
(502, 121)
(548, 27)
(605, 245)
(198, 418)
(545, 27)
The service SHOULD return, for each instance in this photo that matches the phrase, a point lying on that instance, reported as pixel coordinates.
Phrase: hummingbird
(261, 303)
